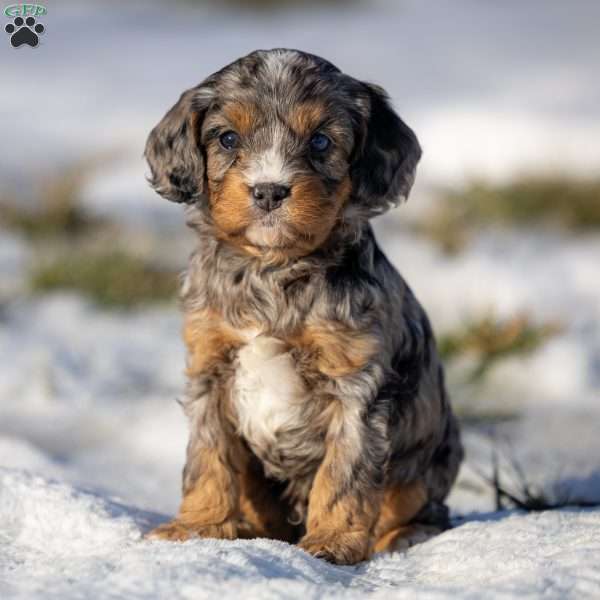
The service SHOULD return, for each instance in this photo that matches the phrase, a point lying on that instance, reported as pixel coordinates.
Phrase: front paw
(179, 530)
(338, 548)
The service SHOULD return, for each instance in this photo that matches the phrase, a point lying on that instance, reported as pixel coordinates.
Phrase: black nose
(269, 196)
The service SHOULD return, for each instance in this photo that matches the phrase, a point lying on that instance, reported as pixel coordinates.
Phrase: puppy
(315, 394)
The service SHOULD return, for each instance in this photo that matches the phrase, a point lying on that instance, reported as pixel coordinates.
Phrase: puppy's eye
(229, 140)
(319, 142)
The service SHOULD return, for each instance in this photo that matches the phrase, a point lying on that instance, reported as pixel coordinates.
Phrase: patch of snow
(90, 387)
(60, 541)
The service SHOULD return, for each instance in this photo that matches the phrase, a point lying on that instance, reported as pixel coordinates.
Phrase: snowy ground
(91, 438)
(62, 542)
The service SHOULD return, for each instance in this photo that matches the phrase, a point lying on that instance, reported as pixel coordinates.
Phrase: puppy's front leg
(210, 504)
(345, 498)
(215, 457)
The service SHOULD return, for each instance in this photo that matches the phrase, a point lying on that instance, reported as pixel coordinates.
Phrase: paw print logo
(24, 32)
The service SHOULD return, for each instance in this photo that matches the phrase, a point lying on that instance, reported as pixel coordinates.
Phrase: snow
(92, 441)
(60, 541)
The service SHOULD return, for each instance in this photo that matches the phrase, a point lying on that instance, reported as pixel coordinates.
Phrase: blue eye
(229, 140)
(319, 142)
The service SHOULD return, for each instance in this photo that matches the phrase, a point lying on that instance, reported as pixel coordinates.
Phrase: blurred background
(500, 239)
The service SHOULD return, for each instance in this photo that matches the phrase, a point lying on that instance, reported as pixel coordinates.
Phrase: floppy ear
(173, 151)
(385, 165)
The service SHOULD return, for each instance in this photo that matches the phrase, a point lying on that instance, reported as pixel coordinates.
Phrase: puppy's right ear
(173, 151)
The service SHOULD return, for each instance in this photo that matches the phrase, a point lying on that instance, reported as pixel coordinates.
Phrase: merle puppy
(315, 394)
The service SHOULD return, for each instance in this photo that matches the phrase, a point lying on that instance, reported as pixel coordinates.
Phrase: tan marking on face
(230, 204)
(399, 506)
(306, 218)
(312, 214)
(306, 117)
(242, 116)
(337, 350)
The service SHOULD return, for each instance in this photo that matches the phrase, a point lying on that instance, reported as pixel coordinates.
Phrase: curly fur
(318, 412)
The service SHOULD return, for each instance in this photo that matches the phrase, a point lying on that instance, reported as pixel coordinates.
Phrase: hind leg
(263, 514)
(401, 504)
(402, 538)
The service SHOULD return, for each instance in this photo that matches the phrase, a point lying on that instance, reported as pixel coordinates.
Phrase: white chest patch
(269, 395)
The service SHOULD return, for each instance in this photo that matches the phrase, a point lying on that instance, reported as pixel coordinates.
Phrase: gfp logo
(25, 10)
(24, 29)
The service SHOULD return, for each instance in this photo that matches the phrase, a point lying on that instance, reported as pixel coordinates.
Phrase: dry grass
(490, 339)
(55, 210)
(514, 490)
(70, 243)
(557, 202)
(114, 278)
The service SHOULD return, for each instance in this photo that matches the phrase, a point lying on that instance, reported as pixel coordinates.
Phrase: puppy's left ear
(384, 168)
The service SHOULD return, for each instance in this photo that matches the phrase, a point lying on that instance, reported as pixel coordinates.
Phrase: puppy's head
(279, 147)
